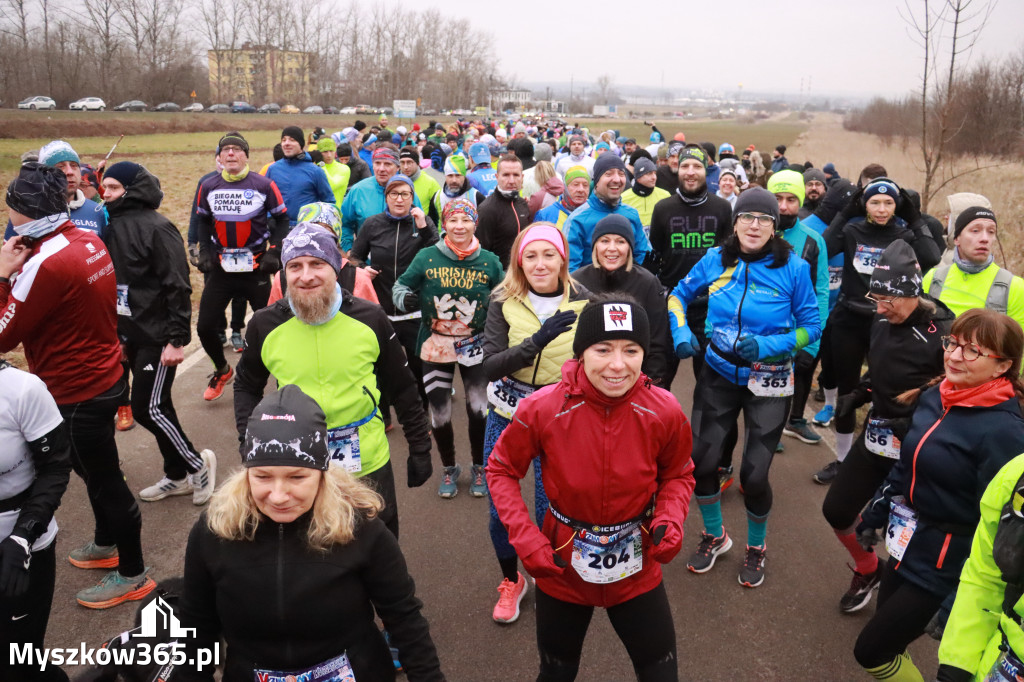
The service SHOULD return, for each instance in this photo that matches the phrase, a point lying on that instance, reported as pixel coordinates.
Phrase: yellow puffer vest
(522, 323)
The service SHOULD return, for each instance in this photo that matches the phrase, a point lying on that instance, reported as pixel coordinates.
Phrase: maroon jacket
(62, 307)
(602, 459)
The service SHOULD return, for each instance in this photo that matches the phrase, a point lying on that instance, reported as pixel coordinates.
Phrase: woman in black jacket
(613, 271)
(290, 563)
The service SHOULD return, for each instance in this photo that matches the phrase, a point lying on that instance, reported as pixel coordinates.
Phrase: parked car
(88, 104)
(313, 110)
(269, 108)
(131, 105)
(195, 106)
(167, 106)
(331, 110)
(365, 109)
(242, 108)
(218, 109)
(37, 102)
(289, 109)
(348, 111)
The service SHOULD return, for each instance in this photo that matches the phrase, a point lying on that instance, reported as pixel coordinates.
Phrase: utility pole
(570, 94)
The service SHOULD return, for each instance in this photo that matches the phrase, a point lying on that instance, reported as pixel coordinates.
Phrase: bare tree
(604, 86)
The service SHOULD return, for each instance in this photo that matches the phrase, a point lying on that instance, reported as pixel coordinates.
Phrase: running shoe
(707, 551)
(115, 589)
(217, 383)
(165, 487)
(861, 587)
(205, 480)
(828, 472)
(94, 556)
(124, 420)
(798, 428)
(752, 571)
(478, 488)
(510, 594)
(819, 394)
(825, 416)
(448, 488)
(724, 477)
(236, 342)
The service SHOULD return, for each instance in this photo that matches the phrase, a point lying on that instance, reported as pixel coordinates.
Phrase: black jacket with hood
(389, 245)
(149, 259)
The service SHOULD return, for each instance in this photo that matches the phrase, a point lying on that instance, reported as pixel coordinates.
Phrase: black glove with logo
(557, 324)
(14, 561)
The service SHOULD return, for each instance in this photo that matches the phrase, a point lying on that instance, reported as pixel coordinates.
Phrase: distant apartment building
(259, 74)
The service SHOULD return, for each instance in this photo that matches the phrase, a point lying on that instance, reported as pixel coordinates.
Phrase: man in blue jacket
(300, 180)
(609, 184)
(366, 197)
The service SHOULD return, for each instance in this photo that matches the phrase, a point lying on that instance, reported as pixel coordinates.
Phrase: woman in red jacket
(616, 513)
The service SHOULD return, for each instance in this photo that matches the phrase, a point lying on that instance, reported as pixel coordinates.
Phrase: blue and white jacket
(579, 228)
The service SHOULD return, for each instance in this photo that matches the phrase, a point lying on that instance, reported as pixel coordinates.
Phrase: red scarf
(986, 395)
(462, 254)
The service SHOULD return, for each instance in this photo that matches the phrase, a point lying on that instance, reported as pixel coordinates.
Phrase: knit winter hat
(542, 152)
(970, 215)
(756, 199)
(787, 181)
(614, 224)
(294, 132)
(621, 318)
(287, 429)
(233, 138)
(694, 151)
(458, 205)
(455, 165)
(726, 148)
(310, 239)
(883, 186)
(326, 144)
(897, 272)
(576, 172)
(124, 172)
(812, 174)
(605, 163)
(643, 166)
(38, 191)
(52, 153)
(409, 153)
(829, 169)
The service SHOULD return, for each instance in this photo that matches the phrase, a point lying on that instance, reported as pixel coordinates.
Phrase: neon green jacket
(962, 291)
(338, 175)
(425, 187)
(644, 205)
(972, 636)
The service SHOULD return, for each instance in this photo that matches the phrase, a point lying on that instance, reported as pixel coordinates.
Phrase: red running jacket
(602, 459)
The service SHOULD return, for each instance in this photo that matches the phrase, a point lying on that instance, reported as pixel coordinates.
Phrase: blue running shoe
(825, 416)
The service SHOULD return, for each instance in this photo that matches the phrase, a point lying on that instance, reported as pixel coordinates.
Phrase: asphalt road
(790, 628)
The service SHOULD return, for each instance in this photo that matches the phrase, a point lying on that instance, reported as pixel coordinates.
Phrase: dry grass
(825, 140)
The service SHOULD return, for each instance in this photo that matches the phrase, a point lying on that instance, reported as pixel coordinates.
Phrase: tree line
(156, 50)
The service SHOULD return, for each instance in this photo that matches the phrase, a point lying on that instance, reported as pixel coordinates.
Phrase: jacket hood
(578, 385)
(144, 192)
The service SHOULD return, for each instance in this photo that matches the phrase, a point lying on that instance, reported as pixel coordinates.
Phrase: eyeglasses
(749, 218)
(884, 301)
(969, 351)
(405, 196)
(232, 149)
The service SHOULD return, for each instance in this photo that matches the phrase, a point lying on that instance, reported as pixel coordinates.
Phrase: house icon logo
(158, 619)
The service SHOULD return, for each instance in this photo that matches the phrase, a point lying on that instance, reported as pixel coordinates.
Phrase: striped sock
(900, 669)
(711, 512)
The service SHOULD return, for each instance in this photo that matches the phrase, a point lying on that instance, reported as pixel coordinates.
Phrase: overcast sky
(853, 46)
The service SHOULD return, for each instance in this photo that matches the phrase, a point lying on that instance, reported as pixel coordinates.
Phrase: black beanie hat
(289, 429)
(614, 224)
(969, 215)
(897, 272)
(294, 132)
(235, 138)
(709, 147)
(756, 199)
(124, 172)
(694, 151)
(606, 319)
(605, 163)
(38, 191)
(409, 152)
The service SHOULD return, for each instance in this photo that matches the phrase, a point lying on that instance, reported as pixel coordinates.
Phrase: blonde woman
(290, 562)
(531, 322)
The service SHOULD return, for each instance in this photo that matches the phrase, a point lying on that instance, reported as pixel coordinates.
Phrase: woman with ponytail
(962, 432)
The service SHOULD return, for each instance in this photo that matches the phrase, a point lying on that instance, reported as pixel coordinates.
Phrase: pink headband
(545, 233)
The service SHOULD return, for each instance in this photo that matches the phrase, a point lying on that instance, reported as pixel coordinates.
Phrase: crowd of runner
(564, 274)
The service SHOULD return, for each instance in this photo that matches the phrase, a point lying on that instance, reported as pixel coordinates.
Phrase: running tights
(437, 380)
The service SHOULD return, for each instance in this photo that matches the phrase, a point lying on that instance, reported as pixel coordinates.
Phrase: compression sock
(865, 562)
(830, 396)
(757, 529)
(711, 512)
(843, 443)
(510, 568)
(900, 669)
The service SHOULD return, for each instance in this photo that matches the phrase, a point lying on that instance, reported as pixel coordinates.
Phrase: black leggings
(851, 336)
(803, 373)
(827, 376)
(716, 408)
(437, 379)
(94, 458)
(904, 610)
(643, 624)
(859, 476)
(220, 289)
(32, 610)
